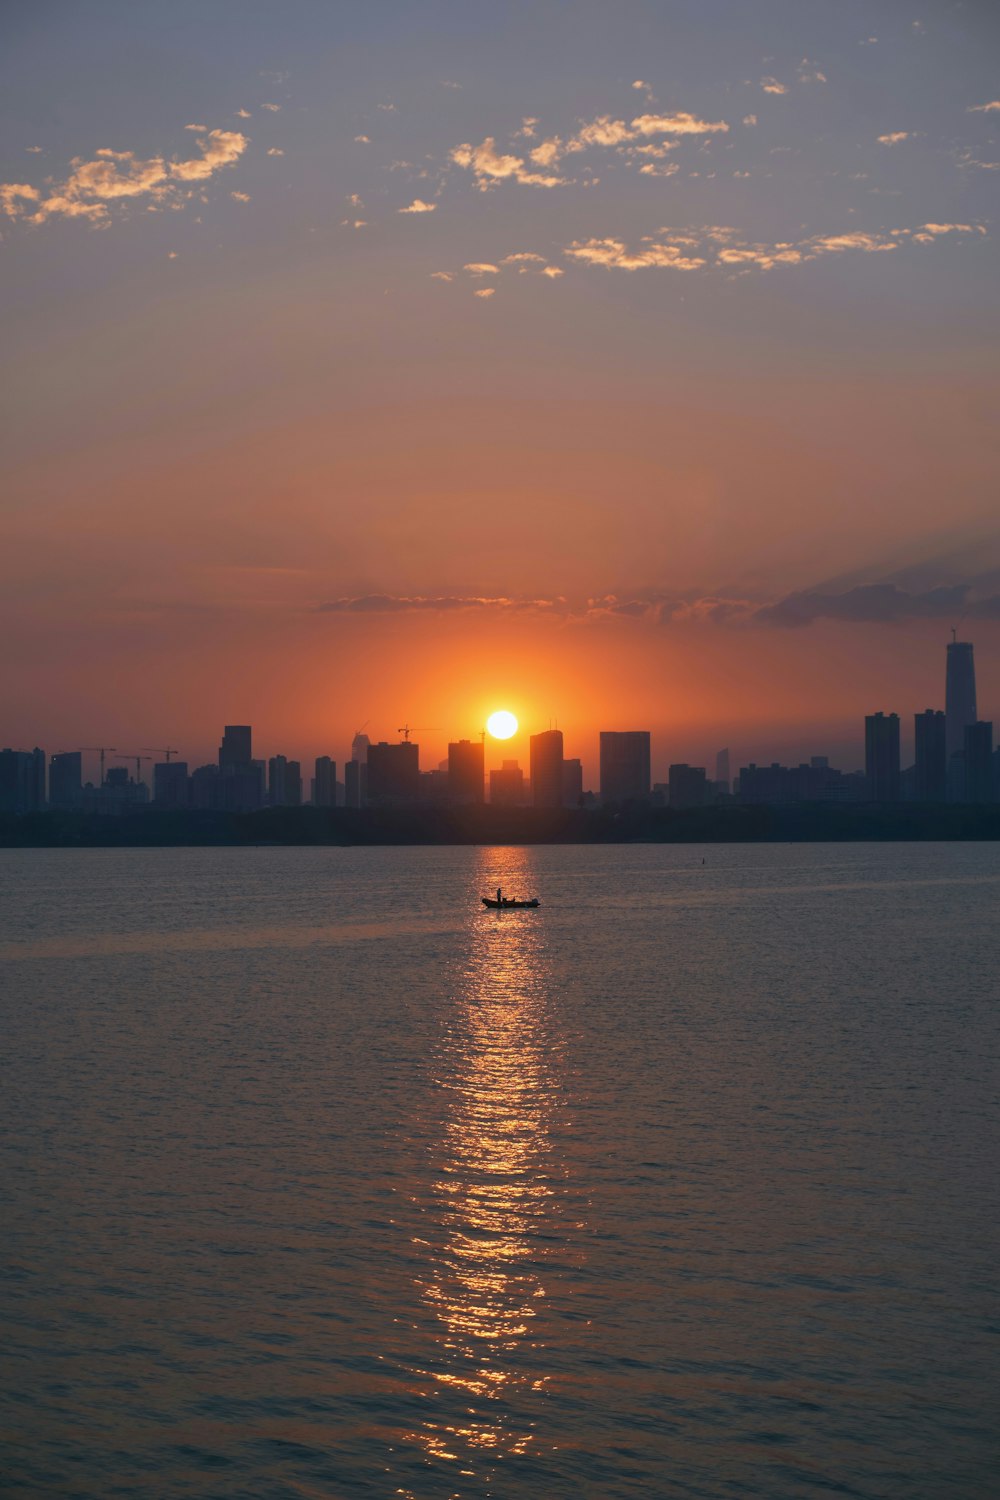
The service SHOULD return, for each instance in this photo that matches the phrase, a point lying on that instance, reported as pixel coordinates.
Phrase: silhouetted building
(466, 773)
(625, 773)
(960, 693)
(235, 749)
(203, 788)
(393, 773)
(170, 783)
(325, 782)
(882, 756)
(688, 786)
(118, 796)
(776, 785)
(284, 782)
(66, 779)
(352, 783)
(572, 783)
(977, 752)
(930, 756)
(22, 781)
(722, 777)
(547, 768)
(507, 785)
(433, 787)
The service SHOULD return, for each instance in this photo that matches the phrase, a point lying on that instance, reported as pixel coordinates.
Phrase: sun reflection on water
(495, 1180)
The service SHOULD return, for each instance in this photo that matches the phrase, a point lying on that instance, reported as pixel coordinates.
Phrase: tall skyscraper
(688, 786)
(722, 778)
(352, 783)
(960, 693)
(624, 764)
(466, 773)
(978, 755)
(284, 782)
(170, 783)
(325, 782)
(572, 782)
(66, 779)
(547, 768)
(22, 781)
(882, 756)
(930, 756)
(235, 748)
(393, 773)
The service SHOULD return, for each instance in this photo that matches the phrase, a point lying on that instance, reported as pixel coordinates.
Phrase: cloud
(363, 140)
(894, 138)
(983, 109)
(772, 86)
(491, 166)
(481, 268)
(240, 197)
(442, 276)
(386, 604)
(275, 151)
(677, 124)
(485, 291)
(874, 603)
(274, 108)
(749, 119)
(720, 246)
(639, 84)
(418, 206)
(201, 128)
(552, 272)
(119, 175)
(243, 114)
(614, 254)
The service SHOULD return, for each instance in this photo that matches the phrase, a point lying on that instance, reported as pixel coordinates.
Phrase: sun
(502, 724)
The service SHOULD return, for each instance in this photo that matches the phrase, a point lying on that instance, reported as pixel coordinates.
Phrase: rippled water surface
(321, 1180)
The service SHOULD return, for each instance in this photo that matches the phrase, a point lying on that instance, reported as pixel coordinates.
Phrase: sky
(625, 366)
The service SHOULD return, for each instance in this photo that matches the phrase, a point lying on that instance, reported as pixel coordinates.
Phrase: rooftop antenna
(954, 635)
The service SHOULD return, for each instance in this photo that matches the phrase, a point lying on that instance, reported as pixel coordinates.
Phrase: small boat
(508, 904)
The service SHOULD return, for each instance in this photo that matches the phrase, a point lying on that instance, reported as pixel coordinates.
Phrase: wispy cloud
(983, 109)
(418, 206)
(386, 604)
(485, 291)
(894, 138)
(692, 249)
(92, 187)
(274, 108)
(772, 86)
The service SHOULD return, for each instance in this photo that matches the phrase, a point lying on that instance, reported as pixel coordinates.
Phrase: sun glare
(501, 725)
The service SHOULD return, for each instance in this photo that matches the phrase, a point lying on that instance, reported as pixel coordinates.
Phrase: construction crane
(168, 752)
(407, 729)
(102, 751)
(138, 764)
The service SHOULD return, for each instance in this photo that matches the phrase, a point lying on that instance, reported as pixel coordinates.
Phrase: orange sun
(502, 724)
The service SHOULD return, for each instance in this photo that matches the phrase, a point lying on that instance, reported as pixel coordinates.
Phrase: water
(321, 1180)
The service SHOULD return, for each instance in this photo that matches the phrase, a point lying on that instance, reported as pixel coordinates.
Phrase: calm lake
(320, 1180)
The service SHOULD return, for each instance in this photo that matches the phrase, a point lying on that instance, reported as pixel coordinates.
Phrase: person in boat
(499, 897)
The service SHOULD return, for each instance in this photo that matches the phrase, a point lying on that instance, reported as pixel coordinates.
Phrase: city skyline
(625, 371)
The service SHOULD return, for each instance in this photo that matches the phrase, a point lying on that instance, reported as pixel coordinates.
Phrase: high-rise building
(572, 782)
(507, 785)
(22, 781)
(235, 749)
(203, 788)
(624, 764)
(688, 786)
(393, 773)
(284, 782)
(960, 693)
(466, 775)
(325, 782)
(882, 756)
(978, 756)
(930, 756)
(66, 779)
(547, 768)
(722, 774)
(170, 783)
(352, 783)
